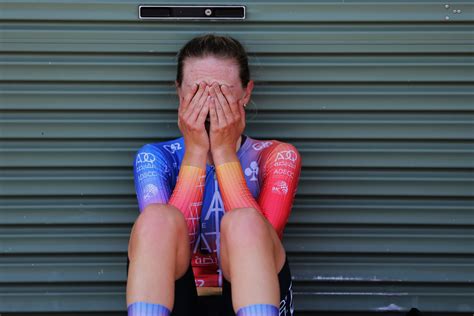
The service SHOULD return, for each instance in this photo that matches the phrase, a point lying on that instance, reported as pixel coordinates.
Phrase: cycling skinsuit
(271, 169)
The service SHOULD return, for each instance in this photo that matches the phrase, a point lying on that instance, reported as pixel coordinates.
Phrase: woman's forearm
(189, 189)
(232, 184)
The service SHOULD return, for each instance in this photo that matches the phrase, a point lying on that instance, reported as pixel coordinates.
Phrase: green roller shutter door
(377, 96)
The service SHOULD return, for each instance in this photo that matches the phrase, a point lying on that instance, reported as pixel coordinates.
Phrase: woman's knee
(155, 221)
(244, 225)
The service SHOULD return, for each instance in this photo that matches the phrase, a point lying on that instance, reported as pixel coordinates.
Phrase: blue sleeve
(152, 174)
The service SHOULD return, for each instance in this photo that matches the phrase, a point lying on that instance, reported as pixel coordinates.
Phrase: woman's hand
(192, 113)
(227, 118)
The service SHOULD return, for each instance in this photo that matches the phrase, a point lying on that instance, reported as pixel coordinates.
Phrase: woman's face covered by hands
(211, 70)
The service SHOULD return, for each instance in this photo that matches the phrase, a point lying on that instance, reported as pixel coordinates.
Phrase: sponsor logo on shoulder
(145, 160)
(261, 145)
(289, 155)
(252, 171)
(173, 147)
(285, 163)
(145, 157)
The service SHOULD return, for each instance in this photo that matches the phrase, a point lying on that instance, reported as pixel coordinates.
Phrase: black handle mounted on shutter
(153, 12)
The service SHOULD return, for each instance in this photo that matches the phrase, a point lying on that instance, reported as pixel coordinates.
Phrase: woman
(213, 202)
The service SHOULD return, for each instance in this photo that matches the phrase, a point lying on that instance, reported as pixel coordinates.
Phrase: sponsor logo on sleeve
(145, 160)
(285, 163)
(173, 147)
(286, 155)
(147, 174)
(284, 172)
(145, 157)
(149, 191)
(252, 171)
(261, 145)
(286, 158)
(280, 188)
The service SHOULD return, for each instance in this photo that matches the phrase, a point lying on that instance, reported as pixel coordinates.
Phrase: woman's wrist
(224, 154)
(195, 156)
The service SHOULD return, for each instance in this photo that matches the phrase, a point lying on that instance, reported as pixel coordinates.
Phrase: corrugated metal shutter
(377, 95)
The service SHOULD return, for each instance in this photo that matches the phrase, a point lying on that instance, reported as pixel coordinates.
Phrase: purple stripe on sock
(258, 310)
(147, 309)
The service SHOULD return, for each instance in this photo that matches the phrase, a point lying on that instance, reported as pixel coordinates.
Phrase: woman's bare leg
(251, 256)
(159, 254)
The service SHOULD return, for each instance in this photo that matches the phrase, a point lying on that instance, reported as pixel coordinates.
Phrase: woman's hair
(218, 46)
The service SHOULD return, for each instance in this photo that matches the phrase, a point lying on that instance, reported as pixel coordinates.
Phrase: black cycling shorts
(187, 302)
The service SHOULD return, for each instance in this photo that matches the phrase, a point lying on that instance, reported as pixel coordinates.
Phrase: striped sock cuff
(258, 310)
(147, 309)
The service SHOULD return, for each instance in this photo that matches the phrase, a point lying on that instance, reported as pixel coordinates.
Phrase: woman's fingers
(203, 100)
(220, 114)
(213, 114)
(195, 101)
(204, 111)
(224, 114)
(187, 98)
(197, 108)
(196, 112)
(191, 93)
(218, 94)
(226, 93)
(188, 101)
